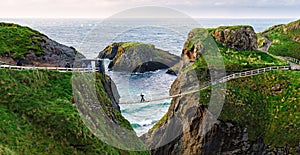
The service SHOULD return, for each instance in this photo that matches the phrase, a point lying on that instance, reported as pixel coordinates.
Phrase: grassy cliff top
(239, 60)
(234, 27)
(17, 41)
(285, 39)
(234, 60)
(38, 116)
(267, 104)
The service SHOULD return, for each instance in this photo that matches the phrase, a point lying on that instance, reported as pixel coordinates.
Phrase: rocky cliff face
(112, 92)
(189, 127)
(34, 48)
(55, 55)
(137, 57)
(237, 37)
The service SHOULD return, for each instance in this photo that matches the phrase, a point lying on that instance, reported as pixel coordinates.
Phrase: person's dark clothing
(142, 98)
(68, 65)
(19, 62)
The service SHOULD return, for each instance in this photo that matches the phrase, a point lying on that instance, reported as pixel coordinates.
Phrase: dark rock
(171, 72)
(175, 69)
(236, 37)
(150, 66)
(131, 56)
(110, 56)
(112, 92)
(55, 55)
(276, 89)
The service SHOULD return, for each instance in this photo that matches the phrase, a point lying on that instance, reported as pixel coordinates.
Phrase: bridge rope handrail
(292, 59)
(204, 86)
(221, 80)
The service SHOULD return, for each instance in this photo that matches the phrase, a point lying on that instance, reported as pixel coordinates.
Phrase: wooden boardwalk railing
(60, 69)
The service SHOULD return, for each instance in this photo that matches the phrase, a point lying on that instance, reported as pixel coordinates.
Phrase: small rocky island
(137, 57)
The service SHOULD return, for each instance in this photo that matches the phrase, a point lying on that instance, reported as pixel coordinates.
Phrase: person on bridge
(67, 65)
(19, 62)
(142, 97)
(89, 66)
(83, 65)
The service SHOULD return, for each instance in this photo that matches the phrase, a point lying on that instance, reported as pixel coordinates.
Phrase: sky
(107, 8)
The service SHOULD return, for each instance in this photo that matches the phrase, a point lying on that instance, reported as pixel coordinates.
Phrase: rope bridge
(221, 80)
(204, 86)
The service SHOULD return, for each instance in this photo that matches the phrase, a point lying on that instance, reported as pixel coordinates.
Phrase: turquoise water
(143, 116)
(90, 36)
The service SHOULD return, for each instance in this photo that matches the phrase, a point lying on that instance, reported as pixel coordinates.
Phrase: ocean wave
(134, 108)
(144, 123)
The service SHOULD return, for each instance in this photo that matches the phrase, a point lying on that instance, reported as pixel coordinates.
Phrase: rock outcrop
(236, 37)
(55, 55)
(190, 127)
(34, 48)
(112, 92)
(150, 66)
(137, 57)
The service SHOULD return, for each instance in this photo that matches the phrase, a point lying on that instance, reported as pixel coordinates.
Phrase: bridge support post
(101, 66)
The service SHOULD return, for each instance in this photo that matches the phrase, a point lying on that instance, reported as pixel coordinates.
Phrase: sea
(90, 36)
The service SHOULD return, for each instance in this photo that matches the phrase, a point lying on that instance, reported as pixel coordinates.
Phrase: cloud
(105, 8)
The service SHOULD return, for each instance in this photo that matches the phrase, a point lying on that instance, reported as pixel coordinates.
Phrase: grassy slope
(38, 116)
(284, 44)
(17, 40)
(251, 102)
(239, 60)
(234, 61)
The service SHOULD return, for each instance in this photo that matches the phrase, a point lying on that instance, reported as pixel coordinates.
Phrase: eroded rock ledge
(137, 57)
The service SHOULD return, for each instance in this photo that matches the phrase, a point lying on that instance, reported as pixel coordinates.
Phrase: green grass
(160, 122)
(38, 116)
(237, 61)
(130, 44)
(234, 27)
(260, 40)
(234, 60)
(271, 113)
(17, 41)
(284, 41)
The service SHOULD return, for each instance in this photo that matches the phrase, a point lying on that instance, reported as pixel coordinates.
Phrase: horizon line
(148, 18)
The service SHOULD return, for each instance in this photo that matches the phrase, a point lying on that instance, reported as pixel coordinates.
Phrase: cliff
(34, 48)
(39, 114)
(253, 108)
(236, 37)
(137, 57)
(285, 40)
